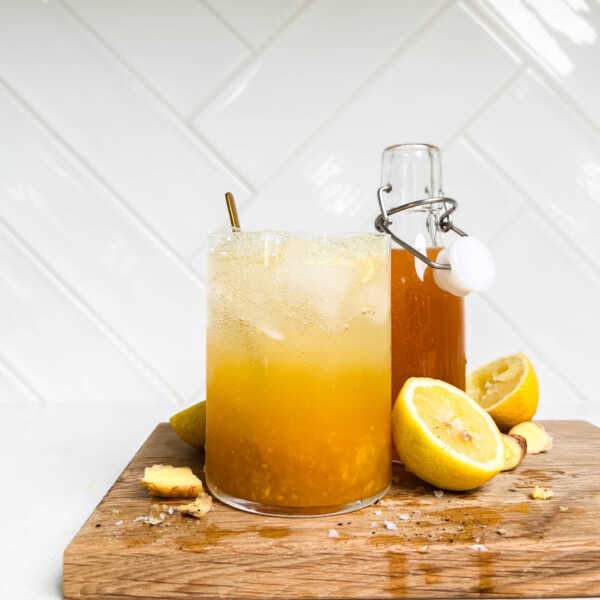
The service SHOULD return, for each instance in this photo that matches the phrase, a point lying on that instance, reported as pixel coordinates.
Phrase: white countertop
(59, 461)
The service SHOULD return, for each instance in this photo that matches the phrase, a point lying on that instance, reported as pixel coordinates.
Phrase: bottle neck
(414, 172)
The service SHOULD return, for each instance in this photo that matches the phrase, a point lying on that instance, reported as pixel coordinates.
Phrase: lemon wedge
(507, 388)
(190, 424)
(444, 437)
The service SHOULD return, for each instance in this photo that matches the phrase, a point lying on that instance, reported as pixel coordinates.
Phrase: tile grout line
(244, 63)
(344, 104)
(592, 270)
(82, 24)
(467, 6)
(21, 381)
(151, 94)
(516, 213)
(196, 395)
(528, 57)
(237, 34)
(481, 109)
(570, 104)
(118, 201)
(85, 309)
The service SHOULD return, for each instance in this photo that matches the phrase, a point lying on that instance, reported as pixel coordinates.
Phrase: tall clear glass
(298, 371)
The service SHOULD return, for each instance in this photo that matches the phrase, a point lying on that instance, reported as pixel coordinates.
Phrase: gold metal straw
(233, 216)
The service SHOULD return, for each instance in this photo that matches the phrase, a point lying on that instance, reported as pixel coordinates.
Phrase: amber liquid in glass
(428, 334)
(298, 374)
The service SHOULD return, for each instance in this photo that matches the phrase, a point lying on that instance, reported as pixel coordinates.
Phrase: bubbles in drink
(290, 283)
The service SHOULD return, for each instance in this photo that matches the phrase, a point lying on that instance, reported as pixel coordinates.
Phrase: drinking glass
(298, 371)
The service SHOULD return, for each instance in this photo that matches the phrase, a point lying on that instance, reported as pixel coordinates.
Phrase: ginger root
(198, 508)
(538, 493)
(535, 434)
(171, 482)
(515, 448)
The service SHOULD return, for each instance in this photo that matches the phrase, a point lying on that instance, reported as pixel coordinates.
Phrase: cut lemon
(444, 437)
(507, 388)
(190, 424)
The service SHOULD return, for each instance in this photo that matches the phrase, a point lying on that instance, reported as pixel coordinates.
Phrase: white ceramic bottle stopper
(472, 267)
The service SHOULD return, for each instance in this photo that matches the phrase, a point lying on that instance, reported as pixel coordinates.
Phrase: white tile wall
(115, 124)
(294, 84)
(555, 159)
(488, 200)
(123, 123)
(55, 345)
(563, 38)
(151, 36)
(560, 319)
(101, 252)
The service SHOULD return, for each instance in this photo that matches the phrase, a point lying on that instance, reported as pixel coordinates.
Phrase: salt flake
(148, 520)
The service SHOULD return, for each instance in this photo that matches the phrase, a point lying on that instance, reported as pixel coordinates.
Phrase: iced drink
(298, 371)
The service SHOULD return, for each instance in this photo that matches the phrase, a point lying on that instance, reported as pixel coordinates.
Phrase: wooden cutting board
(492, 542)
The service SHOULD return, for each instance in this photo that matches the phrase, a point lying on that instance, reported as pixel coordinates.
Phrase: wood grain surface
(492, 542)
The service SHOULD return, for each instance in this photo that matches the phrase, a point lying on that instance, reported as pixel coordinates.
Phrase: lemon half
(444, 437)
(507, 388)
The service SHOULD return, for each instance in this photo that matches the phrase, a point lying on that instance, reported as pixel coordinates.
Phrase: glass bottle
(428, 333)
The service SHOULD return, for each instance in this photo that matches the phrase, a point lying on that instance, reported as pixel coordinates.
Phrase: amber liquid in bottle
(428, 336)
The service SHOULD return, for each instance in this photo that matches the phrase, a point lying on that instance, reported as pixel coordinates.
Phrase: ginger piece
(198, 508)
(171, 482)
(535, 434)
(515, 448)
(538, 493)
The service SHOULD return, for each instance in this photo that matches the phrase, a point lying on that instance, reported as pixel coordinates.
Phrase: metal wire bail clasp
(382, 222)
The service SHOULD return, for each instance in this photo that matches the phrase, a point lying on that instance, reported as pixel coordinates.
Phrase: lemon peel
(190, 424)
